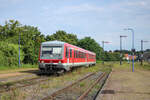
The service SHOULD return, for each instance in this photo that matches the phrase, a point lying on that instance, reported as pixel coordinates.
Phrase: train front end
(51, 56)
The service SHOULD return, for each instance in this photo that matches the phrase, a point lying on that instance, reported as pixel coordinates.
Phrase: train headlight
(42, 61)
(59, 62)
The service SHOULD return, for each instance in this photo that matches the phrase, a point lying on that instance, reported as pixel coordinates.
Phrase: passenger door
(70, 55)
(73, 56)
(67, 55)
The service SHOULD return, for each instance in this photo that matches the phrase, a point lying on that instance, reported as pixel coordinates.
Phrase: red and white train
(57, 56)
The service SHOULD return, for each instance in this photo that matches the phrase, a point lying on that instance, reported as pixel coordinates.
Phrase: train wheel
(61, 72)
(89, 65)
(41, 72)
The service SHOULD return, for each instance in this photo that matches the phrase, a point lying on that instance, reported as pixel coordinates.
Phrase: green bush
(2, 58)
(9, 54)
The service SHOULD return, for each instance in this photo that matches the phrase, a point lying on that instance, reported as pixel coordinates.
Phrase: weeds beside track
(9, 86)
(75, 90)
(39, 90)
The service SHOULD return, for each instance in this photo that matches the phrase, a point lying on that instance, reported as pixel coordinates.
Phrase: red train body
(60, 56)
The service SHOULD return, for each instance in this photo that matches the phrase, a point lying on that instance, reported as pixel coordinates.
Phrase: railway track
(79, 89)
(10, 86)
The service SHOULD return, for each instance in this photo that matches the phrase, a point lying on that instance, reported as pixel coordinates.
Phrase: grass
(6, 69)
(13, 95)
(7, 84)
(137, 65)
(75, 75)
(17, 67)
(146, 66)
(57, 82)
(82, 84)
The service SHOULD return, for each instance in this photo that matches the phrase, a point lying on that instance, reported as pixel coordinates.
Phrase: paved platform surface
(123, 84)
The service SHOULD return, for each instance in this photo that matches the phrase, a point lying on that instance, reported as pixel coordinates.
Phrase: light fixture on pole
(19, 46)
(133, 50)
(103, 42)
(142, 41)
(121, 36)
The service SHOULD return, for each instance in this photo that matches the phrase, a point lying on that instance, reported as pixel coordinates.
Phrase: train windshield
(51, 52)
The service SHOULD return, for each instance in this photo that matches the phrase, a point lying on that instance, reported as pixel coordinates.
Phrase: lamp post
(19, 49)
(121, 36)
(103, 42)
(142, 41)
(133, 50)
(19, 46)
(34, 38)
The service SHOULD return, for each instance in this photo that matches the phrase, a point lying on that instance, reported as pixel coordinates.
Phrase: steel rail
(89, 89)
(6, 88)
(65, 88)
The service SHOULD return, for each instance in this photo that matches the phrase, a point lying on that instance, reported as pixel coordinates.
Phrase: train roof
(53, 42)
(62, 43)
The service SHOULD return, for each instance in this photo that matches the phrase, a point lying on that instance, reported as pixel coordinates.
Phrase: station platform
(123, 84)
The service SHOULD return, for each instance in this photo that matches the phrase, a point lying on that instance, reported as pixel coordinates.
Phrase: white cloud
(10, 1)
(106, 20)
(138, 3)
(79, 9)
(7, 3)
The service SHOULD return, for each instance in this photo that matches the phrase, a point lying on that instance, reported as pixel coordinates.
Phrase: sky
(102, 20)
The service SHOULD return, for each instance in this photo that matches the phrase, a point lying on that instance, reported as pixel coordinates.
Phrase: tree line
(31, 38)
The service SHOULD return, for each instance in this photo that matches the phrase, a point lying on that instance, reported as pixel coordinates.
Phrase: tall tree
(90, 44)
(63, 36)
(30, 38)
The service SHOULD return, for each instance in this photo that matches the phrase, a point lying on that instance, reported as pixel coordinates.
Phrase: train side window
(79, 54)
(83, 55)
(67, 53)
(70, 53)
(74, 54)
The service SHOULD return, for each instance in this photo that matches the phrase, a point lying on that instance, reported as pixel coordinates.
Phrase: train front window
(51, 52)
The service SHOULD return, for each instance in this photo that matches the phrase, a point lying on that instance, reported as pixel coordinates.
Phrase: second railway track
(9, 86)
(79, 89)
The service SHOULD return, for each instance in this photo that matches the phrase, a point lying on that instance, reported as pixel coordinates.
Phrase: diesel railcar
(55, 56)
